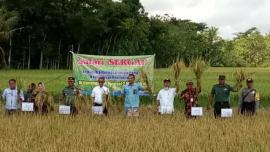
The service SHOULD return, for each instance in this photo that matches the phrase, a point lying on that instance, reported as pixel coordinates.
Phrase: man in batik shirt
(190, 97)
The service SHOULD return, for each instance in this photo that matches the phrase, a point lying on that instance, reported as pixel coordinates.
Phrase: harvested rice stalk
(240, 76)
(106, 103)
(80, 104)
(50, 102)
(198, 66)
(176, 69)
(20, 85)
(145, 81)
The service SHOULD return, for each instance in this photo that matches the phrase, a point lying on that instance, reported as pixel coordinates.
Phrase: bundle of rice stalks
(176, 69)
(40, 99)
(20, 83)
(81, 104)
(145, 81)
(198, 66)
(106, 103)
(240, 76)
(50, 102)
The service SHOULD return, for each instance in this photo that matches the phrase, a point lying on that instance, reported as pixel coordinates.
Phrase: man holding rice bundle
(12, 97)
(100, 97)
(131, 96)
(190, 97)
(248, 99)
(69, 94)
(221, 94)
(165, 98)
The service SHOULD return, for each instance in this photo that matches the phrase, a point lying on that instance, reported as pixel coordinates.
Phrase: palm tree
(8, 20)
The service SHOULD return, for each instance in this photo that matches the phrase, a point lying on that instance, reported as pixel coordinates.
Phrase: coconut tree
(8, 19)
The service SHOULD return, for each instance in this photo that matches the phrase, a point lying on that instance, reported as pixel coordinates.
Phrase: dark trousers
(188, 107)
(248, 108)
(218, 106)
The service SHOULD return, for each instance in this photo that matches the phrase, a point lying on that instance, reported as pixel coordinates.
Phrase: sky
(229, 16)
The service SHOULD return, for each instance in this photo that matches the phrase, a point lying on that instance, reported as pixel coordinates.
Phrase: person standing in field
(12, 97)
(28, 96)
(247, 99)
(221, 95)
(190, 97)
(43, 101)
(100, 98)
(131, 96)
(69, 94)
(165, 98)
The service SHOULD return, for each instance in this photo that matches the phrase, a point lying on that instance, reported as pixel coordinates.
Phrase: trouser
(248, 108)
(188, 106)
(220, 105)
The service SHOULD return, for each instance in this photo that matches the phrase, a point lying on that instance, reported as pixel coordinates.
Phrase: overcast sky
(230, 16)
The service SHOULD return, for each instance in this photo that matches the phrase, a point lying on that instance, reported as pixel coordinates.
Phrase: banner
(88, 68)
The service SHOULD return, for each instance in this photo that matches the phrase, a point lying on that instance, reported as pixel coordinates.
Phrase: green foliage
(107, 27)
(252, 47)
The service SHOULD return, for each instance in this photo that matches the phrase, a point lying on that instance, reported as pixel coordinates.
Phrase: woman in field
(43, 101)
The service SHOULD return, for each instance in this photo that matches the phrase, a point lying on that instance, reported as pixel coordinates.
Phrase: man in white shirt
(100, 96)
(165, 98)
(12, 97)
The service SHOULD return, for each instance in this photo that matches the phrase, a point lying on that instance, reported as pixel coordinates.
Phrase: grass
(149, 132)
(25, 132)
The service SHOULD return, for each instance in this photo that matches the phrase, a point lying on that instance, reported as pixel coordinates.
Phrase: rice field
(26, 132)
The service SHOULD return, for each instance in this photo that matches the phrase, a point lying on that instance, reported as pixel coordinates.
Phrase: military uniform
(221, 94)
(69, 93)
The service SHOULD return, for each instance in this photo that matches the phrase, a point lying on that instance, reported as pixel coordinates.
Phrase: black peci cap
(221, 77)
(71, 79)
(189, 82)
(249, 80)
(166, 80)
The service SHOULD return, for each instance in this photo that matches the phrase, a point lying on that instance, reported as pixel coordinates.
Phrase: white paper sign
(27, 106)
(196, 111)
(226, 112)
(166, 109)
(65, 110)
(98, 110)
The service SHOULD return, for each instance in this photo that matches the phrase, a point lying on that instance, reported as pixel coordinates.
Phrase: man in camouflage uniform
(69, 95)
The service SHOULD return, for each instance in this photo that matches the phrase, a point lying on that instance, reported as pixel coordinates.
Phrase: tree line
(39, 35)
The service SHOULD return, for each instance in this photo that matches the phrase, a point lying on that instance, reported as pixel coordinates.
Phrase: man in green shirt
(69, 94)
(221, 95)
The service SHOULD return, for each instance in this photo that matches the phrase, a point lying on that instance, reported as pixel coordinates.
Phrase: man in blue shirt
(131, 94)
